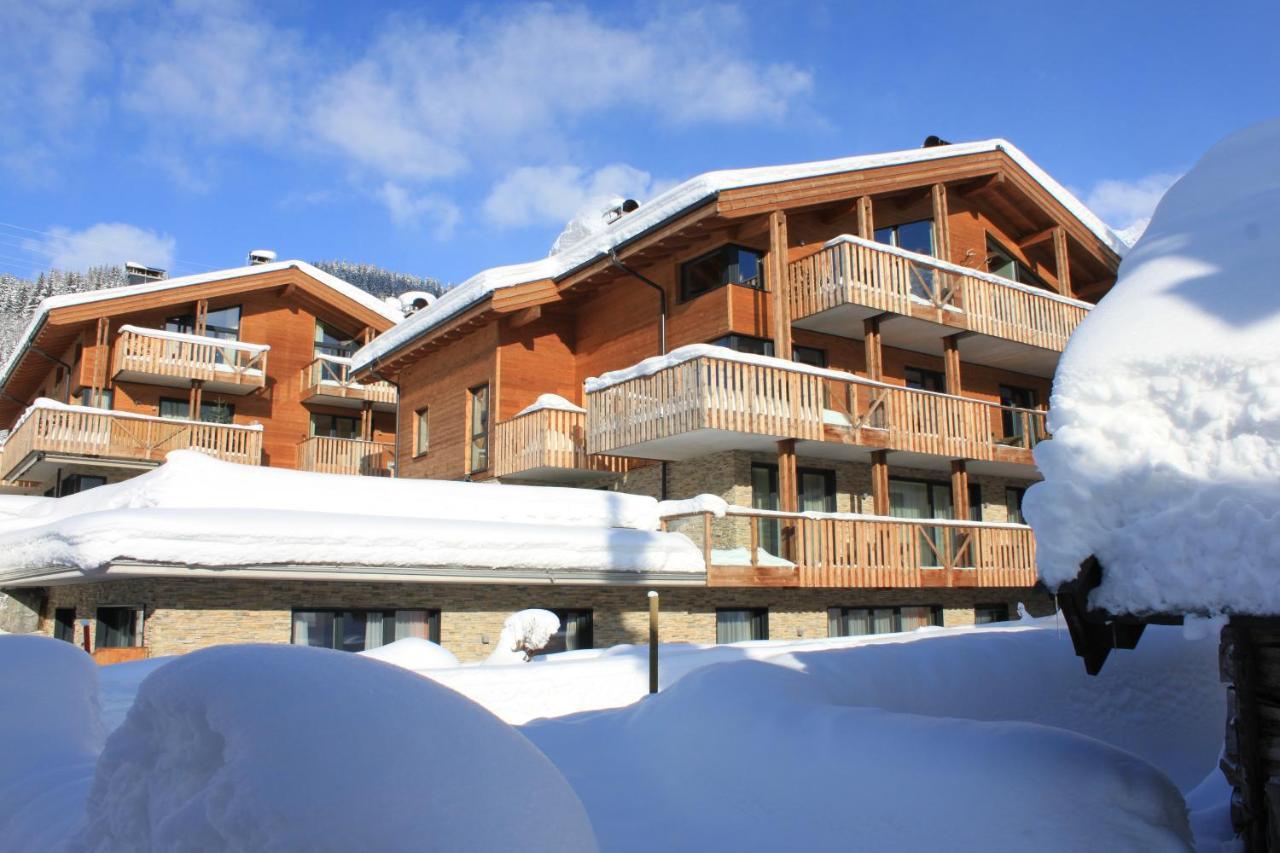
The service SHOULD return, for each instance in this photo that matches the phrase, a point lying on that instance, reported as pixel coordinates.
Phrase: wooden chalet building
(248, 364)
(858, 356)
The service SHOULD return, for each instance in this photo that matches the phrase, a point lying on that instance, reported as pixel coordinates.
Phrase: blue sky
(440, 139)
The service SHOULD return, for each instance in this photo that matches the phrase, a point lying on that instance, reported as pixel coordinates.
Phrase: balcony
(1014, 325)
(176, 360)
(701, 399)
(327, 381)
(841, 551)
(50, 435)
(550, 445)
(327, 455)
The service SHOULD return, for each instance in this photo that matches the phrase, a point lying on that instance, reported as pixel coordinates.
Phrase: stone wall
(183, 615)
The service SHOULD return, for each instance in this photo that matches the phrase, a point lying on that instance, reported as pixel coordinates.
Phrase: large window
(919, 499)
(118, 628)
(925, 380)
(986, 614)
(331, 341)
(105, 398)
(211, 411)
(912, 236)
(746, 344)
(1012, 422)
(479, 427)
(817, 493)
(812, 356)
(357, 630)
(576, 631)
(223, 324)
(1013, 504)
(859, 621)
(729, 264)
(64, 624)
(75, 483)
(738, 626)
(1001, 262)
(335, 426)
(421, 431)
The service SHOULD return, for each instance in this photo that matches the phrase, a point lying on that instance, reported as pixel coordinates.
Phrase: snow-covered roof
(64, 300)
(1165, 457)
(688, 195)
(196, 515)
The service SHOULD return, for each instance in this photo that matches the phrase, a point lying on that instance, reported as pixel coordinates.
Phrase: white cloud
(542, 195)
(1128, 205)
(107, 243)
(407, 209)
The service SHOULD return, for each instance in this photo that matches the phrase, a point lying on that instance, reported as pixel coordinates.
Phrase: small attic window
(730, 264)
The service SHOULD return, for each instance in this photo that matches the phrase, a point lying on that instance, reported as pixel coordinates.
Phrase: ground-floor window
(737, 626)
(64, 624)
(576, 631)
(357, 630)
(857, 621)
(985, 614)
(76, 483)
(118, 628)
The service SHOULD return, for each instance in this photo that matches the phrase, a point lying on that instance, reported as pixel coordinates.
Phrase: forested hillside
(20, 296)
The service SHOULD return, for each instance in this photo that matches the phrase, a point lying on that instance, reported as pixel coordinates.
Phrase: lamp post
(653, 641)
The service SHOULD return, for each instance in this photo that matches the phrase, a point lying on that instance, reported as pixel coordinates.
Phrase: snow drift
(1165, 457)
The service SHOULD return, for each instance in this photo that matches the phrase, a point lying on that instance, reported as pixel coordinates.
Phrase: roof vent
(413, 301)
(261, 256)
(934, 142)
(613, 214)
(137, 273)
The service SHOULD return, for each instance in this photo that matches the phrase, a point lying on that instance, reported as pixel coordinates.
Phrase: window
(331, 341)
(211, 411)
(357, 630)
(1013, 504)
(729, 264)
(576, 629)
(811, 356)
(923, 499)
(1001, 262)
(421, 432)
(738, 626)
(105, 400)
(64, 624)
(860, 621)
(817, 493)
(335, 426)
(118, 628)
(746, 344)
(479, 427)
(985, 614)
(912, 236)
(925, 380)
(79, 483)
(223, 324)
(1013, 423)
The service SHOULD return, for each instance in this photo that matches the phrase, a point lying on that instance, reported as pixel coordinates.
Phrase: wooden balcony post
(866, 218)
(941, 227)
(101, 362)
(366, 421)
(788, 494)
(880, 482)
(201, 323)
(194, 398)
(1062, 264)
(960, 489)
(871, 343)
(776, 275)
(951, 363)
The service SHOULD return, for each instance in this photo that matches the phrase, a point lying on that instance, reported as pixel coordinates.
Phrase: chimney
(261, 256)
(137, 273)
(613, 214)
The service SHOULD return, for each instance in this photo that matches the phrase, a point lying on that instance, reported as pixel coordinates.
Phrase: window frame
(482, 435)
(925, 374)
(935, 615)
(728, 342)
(1020, 493)
(1020, 267)
(1000, 609)
(559, 640)
(319, 347)
(355, 422)
(687, 266)
(433, 622)
(422, 431)
(138, 626)
(230, 407)
(185, 324)
(822, 355)
(60, 627)
(759, 619)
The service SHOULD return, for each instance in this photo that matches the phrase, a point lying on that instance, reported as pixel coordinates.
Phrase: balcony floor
(215, 385)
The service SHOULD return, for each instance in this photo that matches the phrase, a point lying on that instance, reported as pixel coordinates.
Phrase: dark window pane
(332, 341)
(985, 614)
(727, 265)
(764, 495)
(811, 356)
(171, 408)
(479, 428)
(746, 344)
(335, 426)
(1013, 504)
(64, 624)
(925, 380)
(117, 628)
(738, 626)
(215, 412)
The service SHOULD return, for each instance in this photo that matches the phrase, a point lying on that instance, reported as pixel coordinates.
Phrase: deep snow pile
(197, 511)
(1165, 457)
(413, 653)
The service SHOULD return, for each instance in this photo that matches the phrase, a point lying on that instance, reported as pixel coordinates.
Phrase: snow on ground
(413, 653)
(1165, 457)
(960, 739)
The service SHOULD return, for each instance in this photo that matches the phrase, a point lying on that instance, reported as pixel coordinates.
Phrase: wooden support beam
(951, 364)
(982, 186)
(941, 223)
(201, 323)
(366, 421)
(866, 218)
(880, 482)
(959, 490)
(777, 280)
(1038, 237)
(872, 343)
(788, 495)
(194, 399)
(840, 211)
(903, 200)
(101, 363)
(1062, 263)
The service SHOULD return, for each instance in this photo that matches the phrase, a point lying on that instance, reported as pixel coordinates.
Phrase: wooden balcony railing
(345, 456)
(330, 376)
(846, 551)
(548, 439)
(854, 271)
(150, 352)
(80, 431)
(705, 392)
(788, 400)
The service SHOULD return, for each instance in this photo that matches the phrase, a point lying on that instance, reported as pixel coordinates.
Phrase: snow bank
(1165, 457)
(289, 748)
(748, 756)
(550, 401)
(413, 653)
(50, 734)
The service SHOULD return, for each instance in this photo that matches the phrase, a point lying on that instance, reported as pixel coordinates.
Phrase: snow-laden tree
(523, 634)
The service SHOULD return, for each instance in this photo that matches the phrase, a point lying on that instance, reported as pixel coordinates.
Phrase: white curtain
(916, 617)
(733, 626)
(302, 628)
(411, 623)
(372, 628)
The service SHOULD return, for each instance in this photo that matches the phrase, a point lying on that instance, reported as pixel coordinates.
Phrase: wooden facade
(111, 361)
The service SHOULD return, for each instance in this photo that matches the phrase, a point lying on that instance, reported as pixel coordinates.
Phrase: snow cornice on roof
(678, 201)
(64, 300)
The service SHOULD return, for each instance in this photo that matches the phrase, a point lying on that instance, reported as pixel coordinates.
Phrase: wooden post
(1061, 262)
(871, 343)
(960, 489)
(788, 496)
(776, 275)
(866, 218)
(951, 363)
(194, 399)
(880, 482)
(366, 421)
(653, 641)
(201, 324)
(101, 363)
(84, 641)
(941, 227)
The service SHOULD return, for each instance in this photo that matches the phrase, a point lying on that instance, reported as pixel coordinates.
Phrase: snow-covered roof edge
(685, 196)
(63, 300)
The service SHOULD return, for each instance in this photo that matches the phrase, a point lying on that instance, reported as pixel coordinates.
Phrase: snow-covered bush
(524, 634)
